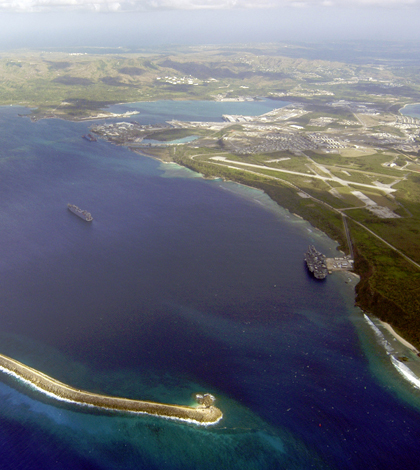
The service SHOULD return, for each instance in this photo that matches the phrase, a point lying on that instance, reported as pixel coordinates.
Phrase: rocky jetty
(205, 413)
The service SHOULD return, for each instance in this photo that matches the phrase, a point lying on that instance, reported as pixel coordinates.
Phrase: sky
(136, 23)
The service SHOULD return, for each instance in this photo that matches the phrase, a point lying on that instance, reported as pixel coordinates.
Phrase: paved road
(347, 231)
(307, 175)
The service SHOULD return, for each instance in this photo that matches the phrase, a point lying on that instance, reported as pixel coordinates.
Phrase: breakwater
(204, 413)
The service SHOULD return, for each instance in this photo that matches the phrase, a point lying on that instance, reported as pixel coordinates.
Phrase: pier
(319, 265)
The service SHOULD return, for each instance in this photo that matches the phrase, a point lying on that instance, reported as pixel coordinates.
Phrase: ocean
(180, 285)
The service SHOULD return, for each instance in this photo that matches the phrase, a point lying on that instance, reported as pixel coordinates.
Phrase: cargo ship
(85, 215)
(316, 262)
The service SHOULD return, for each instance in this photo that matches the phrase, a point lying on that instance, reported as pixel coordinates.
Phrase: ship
(90, 137)
(85, 215)
(316, 262)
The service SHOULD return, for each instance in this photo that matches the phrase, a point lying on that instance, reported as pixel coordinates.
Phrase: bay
(412, 110)
(179, 285)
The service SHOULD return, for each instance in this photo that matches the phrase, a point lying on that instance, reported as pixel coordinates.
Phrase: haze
(75, 23)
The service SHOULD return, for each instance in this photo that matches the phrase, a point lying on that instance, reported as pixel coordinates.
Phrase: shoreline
(354, 274)
(358, 276)
(408, 104)
(403, 341)
(98, 117)
(204, 415)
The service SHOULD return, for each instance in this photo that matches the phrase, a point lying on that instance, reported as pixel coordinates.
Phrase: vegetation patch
(133, 71)
(68, 80)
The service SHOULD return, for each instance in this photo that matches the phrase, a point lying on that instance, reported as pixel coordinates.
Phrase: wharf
(340, 264)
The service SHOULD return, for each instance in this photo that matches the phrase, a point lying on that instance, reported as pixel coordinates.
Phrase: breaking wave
(402, 368)
(382, 340)
(406, 372)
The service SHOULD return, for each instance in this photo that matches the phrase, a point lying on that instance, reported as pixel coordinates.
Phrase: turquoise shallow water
(179, 285)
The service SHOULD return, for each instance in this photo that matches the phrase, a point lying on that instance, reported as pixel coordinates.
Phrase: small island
(205, 413)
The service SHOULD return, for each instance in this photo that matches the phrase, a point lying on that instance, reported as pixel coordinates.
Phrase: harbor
(319, 265)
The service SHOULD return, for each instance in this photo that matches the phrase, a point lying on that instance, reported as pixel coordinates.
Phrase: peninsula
(205, 413)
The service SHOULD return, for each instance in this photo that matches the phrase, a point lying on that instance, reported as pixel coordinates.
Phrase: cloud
(145, 5)
(51, 5)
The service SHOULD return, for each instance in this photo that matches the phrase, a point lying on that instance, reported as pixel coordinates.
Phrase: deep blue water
(179, 285)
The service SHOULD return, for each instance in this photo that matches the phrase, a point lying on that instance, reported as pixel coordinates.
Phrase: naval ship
(85, 215)
(316, 262)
